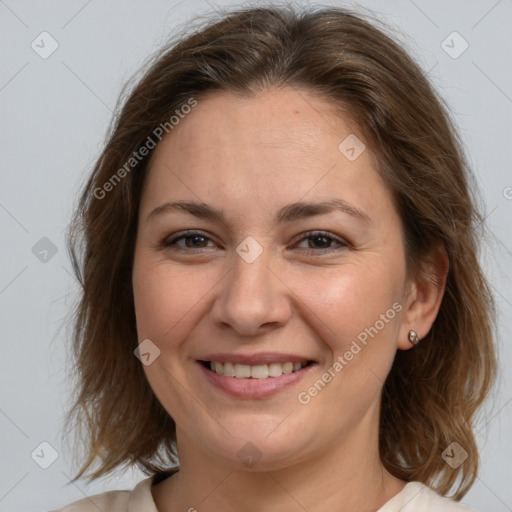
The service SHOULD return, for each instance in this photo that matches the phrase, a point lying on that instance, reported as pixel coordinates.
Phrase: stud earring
(413, 337)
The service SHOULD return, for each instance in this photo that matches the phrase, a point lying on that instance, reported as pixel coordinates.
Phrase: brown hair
(434, 390)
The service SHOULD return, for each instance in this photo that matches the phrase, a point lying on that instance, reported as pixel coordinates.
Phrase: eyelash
(343, 245)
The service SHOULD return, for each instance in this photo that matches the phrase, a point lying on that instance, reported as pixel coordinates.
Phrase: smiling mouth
(257, 371)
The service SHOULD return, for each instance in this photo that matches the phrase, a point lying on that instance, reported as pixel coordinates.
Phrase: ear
(426, 291)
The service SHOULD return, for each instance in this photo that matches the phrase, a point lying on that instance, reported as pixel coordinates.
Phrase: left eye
(321, 240)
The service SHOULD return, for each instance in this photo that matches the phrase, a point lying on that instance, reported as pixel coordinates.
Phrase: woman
(277, 249)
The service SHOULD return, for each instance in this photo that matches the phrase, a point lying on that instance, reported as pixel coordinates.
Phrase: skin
(249, 157)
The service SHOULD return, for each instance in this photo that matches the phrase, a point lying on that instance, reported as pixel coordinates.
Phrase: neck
(345, 476)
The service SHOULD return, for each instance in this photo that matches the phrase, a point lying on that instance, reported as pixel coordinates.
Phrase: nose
(252, 298)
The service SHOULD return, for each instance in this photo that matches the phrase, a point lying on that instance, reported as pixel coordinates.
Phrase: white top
(414, 497)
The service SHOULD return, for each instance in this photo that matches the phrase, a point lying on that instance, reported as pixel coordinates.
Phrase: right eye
(192, 240)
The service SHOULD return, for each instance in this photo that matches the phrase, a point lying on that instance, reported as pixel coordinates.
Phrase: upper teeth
(257, 371)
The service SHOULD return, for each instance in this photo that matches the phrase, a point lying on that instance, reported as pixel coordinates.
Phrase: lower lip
(254, 388)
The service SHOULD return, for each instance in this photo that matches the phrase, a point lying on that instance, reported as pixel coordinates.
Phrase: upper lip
(253, 359)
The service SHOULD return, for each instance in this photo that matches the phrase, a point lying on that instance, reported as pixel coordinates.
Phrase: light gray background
(54, 114)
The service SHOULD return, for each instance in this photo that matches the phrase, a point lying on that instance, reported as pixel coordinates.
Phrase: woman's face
(254, 282)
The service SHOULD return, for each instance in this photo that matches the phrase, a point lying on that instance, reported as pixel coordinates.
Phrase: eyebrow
(289, 213)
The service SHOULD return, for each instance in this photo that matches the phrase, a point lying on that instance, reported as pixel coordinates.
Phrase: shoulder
(418, 497)
(139, 499)
(114, 501)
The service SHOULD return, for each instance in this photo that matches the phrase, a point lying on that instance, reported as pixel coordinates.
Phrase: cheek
(167, 301)
(356, 310)
(351, 296)
(162, 297)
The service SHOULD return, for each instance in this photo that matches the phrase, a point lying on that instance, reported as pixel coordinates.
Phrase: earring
(413, 337)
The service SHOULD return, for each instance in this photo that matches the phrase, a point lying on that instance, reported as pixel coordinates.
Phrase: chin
(259, 449)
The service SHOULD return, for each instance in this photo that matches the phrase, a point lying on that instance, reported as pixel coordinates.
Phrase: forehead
(276, 119)
(271, 148)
